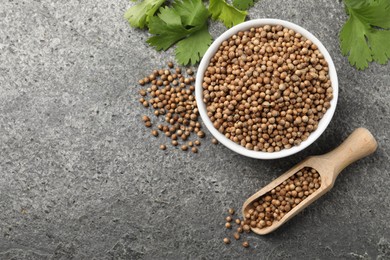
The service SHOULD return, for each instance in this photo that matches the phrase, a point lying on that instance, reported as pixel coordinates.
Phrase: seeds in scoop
(226, 240)
(274, 89)
(245, 244)
(228, 225)
(273, 205)
(163, 147)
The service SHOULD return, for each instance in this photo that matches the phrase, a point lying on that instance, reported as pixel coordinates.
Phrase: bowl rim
(323, 123)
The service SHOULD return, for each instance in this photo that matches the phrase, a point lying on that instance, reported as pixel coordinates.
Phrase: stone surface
(82, 178)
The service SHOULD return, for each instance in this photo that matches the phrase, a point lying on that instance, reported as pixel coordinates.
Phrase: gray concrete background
(82, 178)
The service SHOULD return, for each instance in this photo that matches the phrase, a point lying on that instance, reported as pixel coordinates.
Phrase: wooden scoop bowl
(359, 144)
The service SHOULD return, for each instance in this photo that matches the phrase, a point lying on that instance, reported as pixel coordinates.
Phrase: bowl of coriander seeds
(266, 88)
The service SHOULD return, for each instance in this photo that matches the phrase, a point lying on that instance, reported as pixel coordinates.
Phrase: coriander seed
(163, 147)
(245, 244)
(226, 240)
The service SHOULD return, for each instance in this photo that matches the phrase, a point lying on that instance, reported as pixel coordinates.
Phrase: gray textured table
(81, 178)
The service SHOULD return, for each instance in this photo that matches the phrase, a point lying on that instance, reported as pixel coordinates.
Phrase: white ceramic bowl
(236, 147)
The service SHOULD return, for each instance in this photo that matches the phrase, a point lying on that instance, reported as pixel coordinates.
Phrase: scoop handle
(359, 144)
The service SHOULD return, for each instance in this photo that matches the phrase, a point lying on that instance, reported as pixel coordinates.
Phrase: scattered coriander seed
(228, 218)
(245, 244)
(163, 147)
(174, 142)
(148, 124)
(236, 236)
(197, 142)
(238, 221)
(142, 92)
(214, 141)
(231, 211)
(226, 240)
(155, 133)
(246, 228)
(184, 147)
(145, 118)
(228, 225)
(200, 134)
(141, 82)
(170, 64)
(194, 149)
(239, 230)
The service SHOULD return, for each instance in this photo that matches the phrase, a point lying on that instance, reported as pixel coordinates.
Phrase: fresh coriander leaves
(139, 14)
(185, 23)
(227, 13)
(192, 48)
(243, 4)
(365, 37)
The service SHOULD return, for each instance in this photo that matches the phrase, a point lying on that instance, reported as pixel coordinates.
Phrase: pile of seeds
(273, 205)
(240, 229)
(267, 88)
(171, 95)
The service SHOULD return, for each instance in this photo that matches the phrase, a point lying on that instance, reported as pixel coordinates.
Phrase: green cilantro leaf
(225, 12)
(243, 4)
(185, 23)
(192, 48)
(139, 14)
(192, 12)
(167, 28)
(365, 36)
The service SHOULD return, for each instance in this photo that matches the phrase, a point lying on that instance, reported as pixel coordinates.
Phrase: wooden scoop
(358, 145)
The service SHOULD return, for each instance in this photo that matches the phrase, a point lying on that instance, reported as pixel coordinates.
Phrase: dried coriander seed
(266, 88)
(155, 133)
(226, 240)
(245, 244)
(163, 147)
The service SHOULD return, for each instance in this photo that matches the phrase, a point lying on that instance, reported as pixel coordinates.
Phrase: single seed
(214, 141)
(148, 124)
(231, 210)
(194, 149)
(245, 244)
(226, 240)
(236, 236)
(170, 64)
(163, 147)
(228, 218)
(184, 147)
(155, 133)
(145, 118)
(228, 225)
